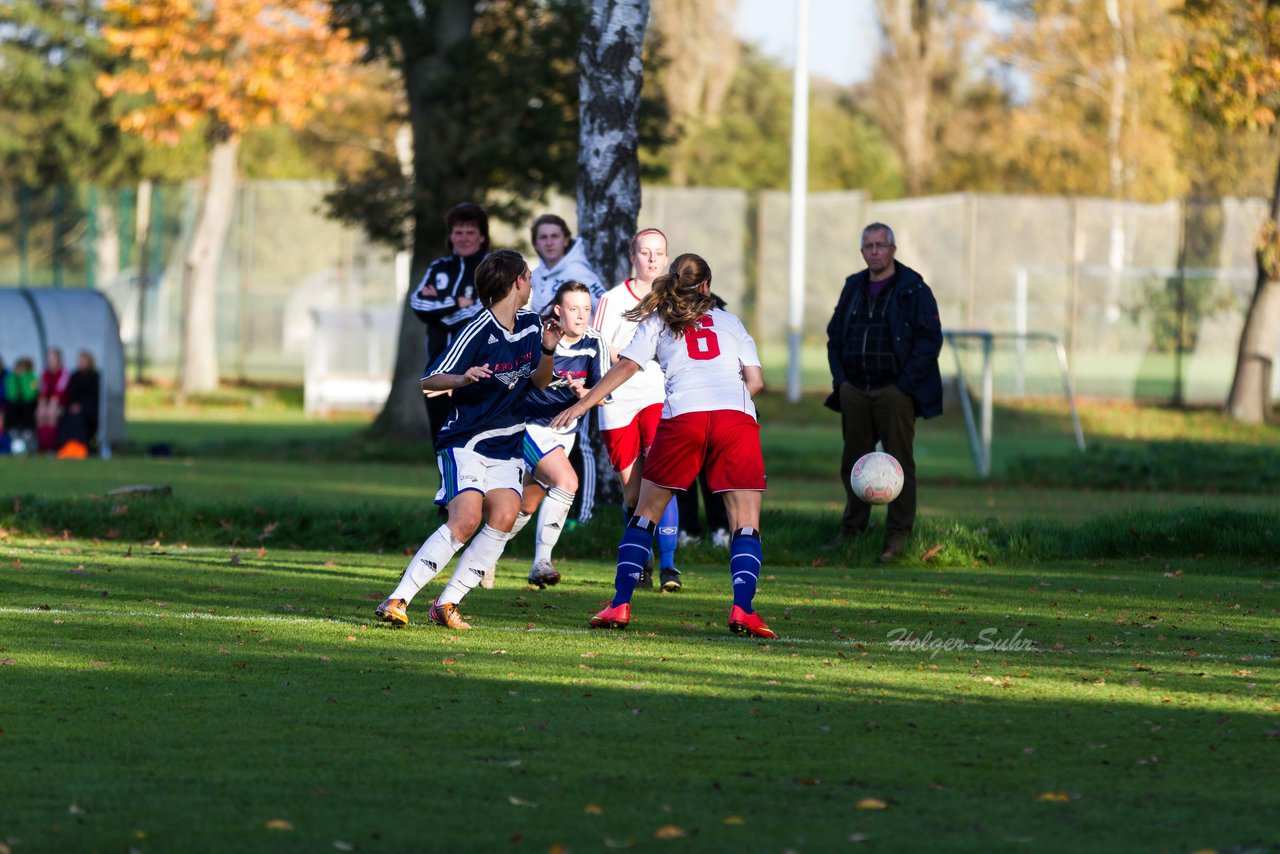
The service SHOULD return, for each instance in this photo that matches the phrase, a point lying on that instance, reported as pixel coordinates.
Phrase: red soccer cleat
(612, 617)
(742, 623)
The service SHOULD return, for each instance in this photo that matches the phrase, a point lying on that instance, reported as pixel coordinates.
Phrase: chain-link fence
(1149, 299)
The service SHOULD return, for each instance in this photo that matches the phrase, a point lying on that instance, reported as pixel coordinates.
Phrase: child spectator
(22, 391)
(52, 399)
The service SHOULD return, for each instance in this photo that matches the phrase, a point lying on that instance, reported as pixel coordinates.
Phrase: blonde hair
(676, 296)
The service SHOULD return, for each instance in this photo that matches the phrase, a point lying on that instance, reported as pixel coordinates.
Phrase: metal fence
(1148, 298)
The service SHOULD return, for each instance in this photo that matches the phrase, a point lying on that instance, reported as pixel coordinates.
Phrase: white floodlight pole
(799, 197)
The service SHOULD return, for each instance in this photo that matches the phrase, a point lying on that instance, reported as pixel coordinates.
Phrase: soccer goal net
(1018, 365)
(350, 359)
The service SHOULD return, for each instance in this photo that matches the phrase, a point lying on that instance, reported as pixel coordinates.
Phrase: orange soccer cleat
(393, 611)
(446, 614)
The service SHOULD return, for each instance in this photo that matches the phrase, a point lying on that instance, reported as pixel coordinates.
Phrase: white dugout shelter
(34, 319)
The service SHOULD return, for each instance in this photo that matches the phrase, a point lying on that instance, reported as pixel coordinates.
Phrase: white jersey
(703, 369)
(646, 387)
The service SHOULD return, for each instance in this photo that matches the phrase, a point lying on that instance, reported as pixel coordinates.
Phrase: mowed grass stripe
(854, 643)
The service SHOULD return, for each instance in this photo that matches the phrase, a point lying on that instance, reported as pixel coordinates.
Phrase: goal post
(979, 427)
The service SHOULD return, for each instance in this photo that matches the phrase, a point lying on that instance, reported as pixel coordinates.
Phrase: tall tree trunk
(404, 415)
(905, 82)
(106, 243)
(610, 76)
(1250, 398)
(198, 367)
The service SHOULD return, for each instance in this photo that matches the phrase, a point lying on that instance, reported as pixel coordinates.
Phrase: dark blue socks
(745, 558)
(668, 534)
(633, 554)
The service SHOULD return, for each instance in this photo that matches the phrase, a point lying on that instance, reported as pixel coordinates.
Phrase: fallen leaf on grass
(518, 802)
(610, 842)
(670, 831)
(5, 662)
(235, 560)
(100, 664)
(930, 553)
(593, 809)
(871, 804)
(734, 819)
(1053, 797)
(279, 824)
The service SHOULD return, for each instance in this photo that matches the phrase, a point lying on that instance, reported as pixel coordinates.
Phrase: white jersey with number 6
(703, 368)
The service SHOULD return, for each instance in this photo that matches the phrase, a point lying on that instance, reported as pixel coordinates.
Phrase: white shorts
(540, 441)
(462, 469)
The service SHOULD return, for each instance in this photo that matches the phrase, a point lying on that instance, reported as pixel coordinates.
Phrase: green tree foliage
(748, 144)
(55, 127)
(1228, 71)
(1095, 115)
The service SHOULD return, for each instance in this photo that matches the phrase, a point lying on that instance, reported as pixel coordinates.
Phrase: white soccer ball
(876, 478)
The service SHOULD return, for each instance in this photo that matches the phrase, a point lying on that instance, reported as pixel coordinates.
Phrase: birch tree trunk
(1250, 398)
(404, 414)
(610, 76)
(198, 365)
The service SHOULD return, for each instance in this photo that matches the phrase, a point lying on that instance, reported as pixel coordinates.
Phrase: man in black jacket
(883, 344)
(445, 299)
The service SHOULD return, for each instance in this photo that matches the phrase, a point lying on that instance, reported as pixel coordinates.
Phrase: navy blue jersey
(488, 416)
(586, 359)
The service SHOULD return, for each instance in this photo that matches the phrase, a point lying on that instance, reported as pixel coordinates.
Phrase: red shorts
(626, 444)
(727, 441)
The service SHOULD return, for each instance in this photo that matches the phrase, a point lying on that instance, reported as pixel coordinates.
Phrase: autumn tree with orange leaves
(220, 68)
(1229, 71)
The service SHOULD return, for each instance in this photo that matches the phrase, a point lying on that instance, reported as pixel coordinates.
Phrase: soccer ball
(876, 478)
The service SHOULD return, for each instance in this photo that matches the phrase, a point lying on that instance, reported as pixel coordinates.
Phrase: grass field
(1080, 667)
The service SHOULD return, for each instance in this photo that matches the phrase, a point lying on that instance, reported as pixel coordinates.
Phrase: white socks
(521, 521)
(433, 556)
(483, 553)
(551, 518)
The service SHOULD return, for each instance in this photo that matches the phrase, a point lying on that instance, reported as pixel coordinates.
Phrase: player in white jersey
(712, 372)
(628, 423)
(581, 359)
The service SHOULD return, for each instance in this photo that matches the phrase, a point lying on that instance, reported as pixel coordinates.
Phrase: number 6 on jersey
(702, 343)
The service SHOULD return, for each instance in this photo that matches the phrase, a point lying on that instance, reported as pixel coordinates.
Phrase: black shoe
(670, 579)
(893, 546)
(646, 577)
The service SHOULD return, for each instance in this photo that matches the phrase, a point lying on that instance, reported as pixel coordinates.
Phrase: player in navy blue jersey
(488, 371)
(582, 357)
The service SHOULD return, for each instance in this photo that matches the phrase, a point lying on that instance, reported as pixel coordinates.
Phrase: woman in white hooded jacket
(563, 260)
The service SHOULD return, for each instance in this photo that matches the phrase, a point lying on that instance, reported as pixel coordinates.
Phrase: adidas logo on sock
(492, 340)
(738, 581)
(429, 564)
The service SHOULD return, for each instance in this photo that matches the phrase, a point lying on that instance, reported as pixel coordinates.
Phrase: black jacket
(452, 276)
(917, 338)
